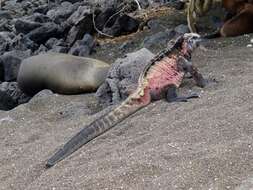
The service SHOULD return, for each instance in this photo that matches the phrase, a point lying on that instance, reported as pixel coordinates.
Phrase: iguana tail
(99, 126)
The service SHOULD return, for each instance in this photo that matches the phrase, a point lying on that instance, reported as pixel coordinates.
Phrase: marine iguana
(159, 79)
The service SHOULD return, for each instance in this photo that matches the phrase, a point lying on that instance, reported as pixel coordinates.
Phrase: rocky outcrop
(10, 63)
(122, 78)
(11, 96)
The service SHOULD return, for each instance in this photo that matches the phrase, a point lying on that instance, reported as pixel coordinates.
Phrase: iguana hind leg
(172, 96)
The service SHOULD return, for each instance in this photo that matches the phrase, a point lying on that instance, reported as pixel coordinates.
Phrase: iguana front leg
(199, 79)
(187, 66)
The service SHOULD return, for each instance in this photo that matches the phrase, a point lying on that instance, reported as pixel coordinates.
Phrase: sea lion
(239, 19)
(61, 73)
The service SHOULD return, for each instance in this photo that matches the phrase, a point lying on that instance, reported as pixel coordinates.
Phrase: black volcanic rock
(61, 13)
(42, 34)
(24, 26)
(123, 25)
(10, 62)
(104, 18)
(83, 47)
(11, 96)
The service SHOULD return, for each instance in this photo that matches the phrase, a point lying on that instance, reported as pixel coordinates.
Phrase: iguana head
(187, 43)
(192, 40)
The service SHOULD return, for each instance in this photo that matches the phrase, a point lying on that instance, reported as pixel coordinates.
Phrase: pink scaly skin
(159, 79)
(162, 75)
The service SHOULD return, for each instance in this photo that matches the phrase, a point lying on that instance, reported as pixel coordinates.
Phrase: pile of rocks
(32, 27)
(29, 28)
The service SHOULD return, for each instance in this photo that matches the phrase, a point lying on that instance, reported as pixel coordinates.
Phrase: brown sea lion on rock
(61, 73)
